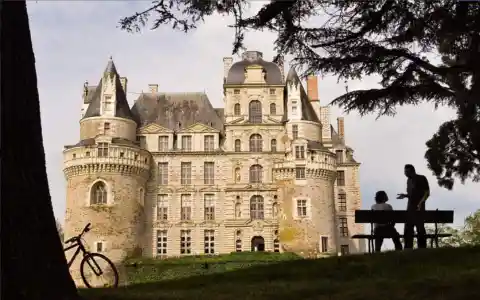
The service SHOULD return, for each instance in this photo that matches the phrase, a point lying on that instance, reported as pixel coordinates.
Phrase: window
(273, 145)
(302, 208)
(99, 246)
(342, 202)
(236, 109)
(273, 109)
(141, 197)
(208, 143)
(106, 128)
(340, 178)
(295, 132)
(208, 173)
(102, 149)
(255, 112)
(142, 140)
(162, 242)
(98, 193)
(294, 110)
(343, 227)
(256, 143)
(344, 250)
(186, 207)
(163, 143)
(209, 207)
(238, 146)
(339, 156)
(185, 242)
(87, 154)
(186, 173)
(276, 245)
(256, 207)
(187, 143)
(209, 246)
(300, 172)
(299, 152)
(272, 91)
(236, 91)
(238, 245)
(162, 207)
(122, 154)
(324, 243)
(256, 174)
(162, 173)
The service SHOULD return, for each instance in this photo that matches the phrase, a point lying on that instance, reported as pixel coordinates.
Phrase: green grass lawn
(431, 274)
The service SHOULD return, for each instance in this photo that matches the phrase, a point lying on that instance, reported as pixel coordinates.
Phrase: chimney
(341, 127)
(281, 62)
(312, 88)
(123, 81)
(227, 64)
(153, 88)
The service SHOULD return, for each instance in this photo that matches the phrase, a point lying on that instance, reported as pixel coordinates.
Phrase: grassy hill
(431, 274)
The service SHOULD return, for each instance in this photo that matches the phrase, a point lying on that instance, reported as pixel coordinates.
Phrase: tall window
(162, 173)
(339, 156)
(299, 152)
(163, 143)
(340, 178)
(186, 173)
(238, 145)
(342, 202)
(273, 109)
(142, 141)
(256, 207)
(276, 245)
(256, 174)
(187, 143)
(98, 193)
(208, 173)
(238, 245)
(295, 132)
(302, 208)
(236, 109)
(343, 227)
(102, 149)
(208, 143)
(255, 112)
(185, 242)
(209, 207)
(344, 250)
(256, 143)
(324, 242)
(162, 207)
(106, 128)
(209, 246)
(186, 207)
(300, 172)
(294, 108)
(273, 145)
(162, 239)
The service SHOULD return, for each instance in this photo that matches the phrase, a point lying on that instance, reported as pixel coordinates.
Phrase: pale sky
(73, 41)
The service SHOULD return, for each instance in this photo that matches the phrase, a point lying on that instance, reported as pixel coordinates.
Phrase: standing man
(418, 192)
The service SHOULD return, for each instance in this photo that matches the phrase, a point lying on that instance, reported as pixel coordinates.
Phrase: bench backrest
(403, 216)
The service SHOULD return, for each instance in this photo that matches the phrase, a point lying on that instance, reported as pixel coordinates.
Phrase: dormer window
(299, 152)
(102, 150)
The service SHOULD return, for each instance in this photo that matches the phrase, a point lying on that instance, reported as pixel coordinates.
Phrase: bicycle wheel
(98, 271)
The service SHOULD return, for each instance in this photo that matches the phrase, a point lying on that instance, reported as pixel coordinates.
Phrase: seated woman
(385, 230)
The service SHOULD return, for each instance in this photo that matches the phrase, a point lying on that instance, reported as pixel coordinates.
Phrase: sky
(73, 41)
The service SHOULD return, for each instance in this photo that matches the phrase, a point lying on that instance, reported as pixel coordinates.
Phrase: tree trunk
(33, 262)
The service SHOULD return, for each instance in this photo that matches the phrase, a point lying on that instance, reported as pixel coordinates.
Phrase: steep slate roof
(177, 110)
(236, 74)
(94, 97)
(308, 112)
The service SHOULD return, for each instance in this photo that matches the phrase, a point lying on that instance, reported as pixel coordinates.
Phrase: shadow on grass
(409, 272)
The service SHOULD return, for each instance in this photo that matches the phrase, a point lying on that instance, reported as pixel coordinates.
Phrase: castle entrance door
(258, 244)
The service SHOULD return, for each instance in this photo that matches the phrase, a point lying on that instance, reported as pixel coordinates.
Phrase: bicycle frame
(80, 248)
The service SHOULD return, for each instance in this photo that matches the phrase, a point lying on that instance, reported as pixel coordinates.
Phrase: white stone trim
(110, 194)
(309, 208)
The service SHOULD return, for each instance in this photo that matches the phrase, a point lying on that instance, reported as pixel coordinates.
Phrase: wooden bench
(401, 217)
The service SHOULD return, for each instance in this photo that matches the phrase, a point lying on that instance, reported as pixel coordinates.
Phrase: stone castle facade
(175, 176)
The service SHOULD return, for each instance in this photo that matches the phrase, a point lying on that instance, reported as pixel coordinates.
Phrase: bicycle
(90, 259)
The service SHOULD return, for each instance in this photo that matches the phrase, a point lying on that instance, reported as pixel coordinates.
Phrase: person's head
(409, 170)
(381, 197)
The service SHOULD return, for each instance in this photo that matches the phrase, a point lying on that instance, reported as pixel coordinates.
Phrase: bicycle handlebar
(86, 229)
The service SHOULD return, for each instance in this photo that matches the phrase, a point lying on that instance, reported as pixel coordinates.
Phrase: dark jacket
(417, 186)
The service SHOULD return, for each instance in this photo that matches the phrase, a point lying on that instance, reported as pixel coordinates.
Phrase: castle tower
(106, 173)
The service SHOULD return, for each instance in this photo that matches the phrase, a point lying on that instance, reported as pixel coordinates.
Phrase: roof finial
(111, 57)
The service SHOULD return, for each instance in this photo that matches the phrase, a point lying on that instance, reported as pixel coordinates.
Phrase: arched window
(256, 207)
(236, 109)
(256, 143)
(276, 245)
(273, 109)
(238, 145)
(273, 145)
(98, 193)
(256, 174)
(255, 112)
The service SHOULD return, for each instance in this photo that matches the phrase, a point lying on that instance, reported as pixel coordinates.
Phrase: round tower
(106, 175)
